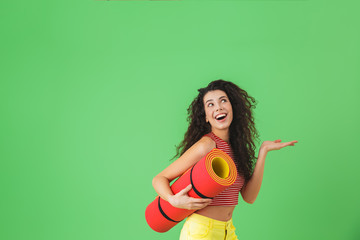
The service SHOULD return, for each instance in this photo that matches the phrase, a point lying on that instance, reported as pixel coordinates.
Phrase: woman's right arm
(161, 182)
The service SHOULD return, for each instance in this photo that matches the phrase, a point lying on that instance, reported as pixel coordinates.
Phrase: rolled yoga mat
(211, 175)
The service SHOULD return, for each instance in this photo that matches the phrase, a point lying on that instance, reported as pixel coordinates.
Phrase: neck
(222, 133)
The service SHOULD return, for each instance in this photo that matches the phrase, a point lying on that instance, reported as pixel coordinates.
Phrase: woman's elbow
(154, 180)
(250, 202)
(157, 179)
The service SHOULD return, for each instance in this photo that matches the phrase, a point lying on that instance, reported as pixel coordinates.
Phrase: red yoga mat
(211, 175)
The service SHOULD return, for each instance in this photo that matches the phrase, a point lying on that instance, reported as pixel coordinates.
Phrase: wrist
(170, 199)
(263, 150)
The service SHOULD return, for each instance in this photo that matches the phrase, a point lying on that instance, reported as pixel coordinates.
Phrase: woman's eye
(210, 104)
(224, 100)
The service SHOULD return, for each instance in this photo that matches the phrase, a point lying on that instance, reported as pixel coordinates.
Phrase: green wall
(93, 100)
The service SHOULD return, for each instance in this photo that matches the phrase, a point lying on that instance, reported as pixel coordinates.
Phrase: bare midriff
(221, 213)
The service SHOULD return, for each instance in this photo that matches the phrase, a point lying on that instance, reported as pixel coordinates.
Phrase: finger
(202, 205)
(201, 200)
(185, 190)
(290, 144)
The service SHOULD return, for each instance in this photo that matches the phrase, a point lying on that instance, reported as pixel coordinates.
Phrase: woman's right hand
(182, 200)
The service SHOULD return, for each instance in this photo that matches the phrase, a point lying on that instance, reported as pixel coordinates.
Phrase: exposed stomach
(221, 213)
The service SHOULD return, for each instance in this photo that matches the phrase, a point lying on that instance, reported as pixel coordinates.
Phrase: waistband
(210, 221)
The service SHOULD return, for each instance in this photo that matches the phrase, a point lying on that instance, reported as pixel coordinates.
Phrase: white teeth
(221, 115)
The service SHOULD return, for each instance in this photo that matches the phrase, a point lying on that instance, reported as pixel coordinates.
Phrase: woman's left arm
(250, 191)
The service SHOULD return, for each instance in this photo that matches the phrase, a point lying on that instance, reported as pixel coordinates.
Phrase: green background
(93, 100)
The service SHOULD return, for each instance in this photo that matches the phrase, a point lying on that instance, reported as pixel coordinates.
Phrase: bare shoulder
(191, 156)
(197, 151)
(206, 144)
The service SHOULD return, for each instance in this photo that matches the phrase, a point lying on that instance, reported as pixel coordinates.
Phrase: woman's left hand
(276, 145)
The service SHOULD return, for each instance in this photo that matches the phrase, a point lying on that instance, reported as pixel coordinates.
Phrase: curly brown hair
(242, 131)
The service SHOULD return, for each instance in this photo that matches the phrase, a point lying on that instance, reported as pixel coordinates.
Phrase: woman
(219, 117)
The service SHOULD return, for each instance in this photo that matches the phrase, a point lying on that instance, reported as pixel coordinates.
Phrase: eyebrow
(219, 98)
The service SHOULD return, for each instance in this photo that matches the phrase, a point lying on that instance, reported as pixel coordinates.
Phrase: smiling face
(218, 110)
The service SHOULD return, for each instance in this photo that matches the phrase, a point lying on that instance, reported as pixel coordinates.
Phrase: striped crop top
(230, 196)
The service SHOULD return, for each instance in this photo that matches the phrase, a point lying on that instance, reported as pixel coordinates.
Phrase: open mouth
(221, 116)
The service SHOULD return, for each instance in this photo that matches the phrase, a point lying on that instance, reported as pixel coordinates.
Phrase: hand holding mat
(182, 200)
(211, 175)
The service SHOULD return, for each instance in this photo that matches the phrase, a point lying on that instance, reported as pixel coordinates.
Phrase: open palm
(276, 145)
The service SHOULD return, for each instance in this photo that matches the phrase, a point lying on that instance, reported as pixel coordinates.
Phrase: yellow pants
(197, 226)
